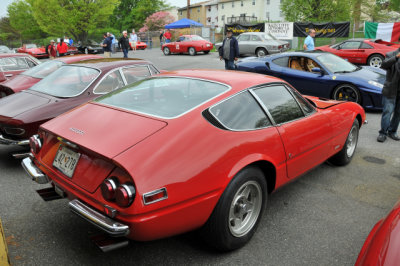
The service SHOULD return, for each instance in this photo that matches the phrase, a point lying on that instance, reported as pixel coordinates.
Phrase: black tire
(260, 52)
(192, 51)
(206, 52)
(346, 92)
(375, 60)
(345, 155)
(166, 51)
(232, 223)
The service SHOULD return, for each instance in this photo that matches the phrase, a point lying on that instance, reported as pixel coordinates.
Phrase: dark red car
(382, 246)
(32, 76)
(33, 50)
(22, 113)
(191, 44)
(360, 51)
(13, 64)
(190, 149)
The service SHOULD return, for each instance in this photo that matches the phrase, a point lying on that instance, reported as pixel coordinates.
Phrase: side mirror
(317, 70)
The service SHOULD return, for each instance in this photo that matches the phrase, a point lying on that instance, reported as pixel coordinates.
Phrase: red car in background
(33, 50)
(382, 246)
(32, 76)
(189, 149)
(139, 45)
(360, 51)
(191, 44)
(13, 64)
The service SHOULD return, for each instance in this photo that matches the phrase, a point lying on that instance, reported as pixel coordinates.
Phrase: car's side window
(305, 105)
(30, 63)
(350, 45)
(282, 61)
(11, 64)
(365, 46)
(255, 38)
(153, 70)
(280, 103)
(244, 38)
(133, 74)
(240, 112)
(297, 63)
(111, 82)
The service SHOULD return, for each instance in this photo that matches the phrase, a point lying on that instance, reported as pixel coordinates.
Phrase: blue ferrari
(323, 75)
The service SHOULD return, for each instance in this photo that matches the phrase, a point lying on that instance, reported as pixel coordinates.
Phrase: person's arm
(390, 59)
(221, 50)
(236, 45)
(306, 43)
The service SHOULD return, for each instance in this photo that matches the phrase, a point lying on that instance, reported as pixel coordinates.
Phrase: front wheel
(166, 51)
(238, 211)
(261, 52)
(192, 51)
(347, 92)
(375, 60)
(347, 152)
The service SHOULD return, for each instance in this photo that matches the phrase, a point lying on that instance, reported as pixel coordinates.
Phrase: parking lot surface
(322, 218)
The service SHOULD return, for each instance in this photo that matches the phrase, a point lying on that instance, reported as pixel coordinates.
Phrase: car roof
(14, 55)
(238, 80)
(110, 63)
(70, 59)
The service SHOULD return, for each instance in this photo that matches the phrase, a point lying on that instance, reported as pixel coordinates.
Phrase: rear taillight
(109, 188)
(125, 194)
(35, 143)
(119, 188)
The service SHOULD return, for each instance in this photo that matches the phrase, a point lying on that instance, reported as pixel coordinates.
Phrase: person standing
(161, 37)
(229, 51)
(309, 41)
(124, 43)
(62, 48)
(51, 50)
(133, 39)
(391, 97)
(107, 45)
(167, 36)
(113, 42)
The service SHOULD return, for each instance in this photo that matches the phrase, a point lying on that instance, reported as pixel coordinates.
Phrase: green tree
(75, 18)
(316, 10)
(7, 32)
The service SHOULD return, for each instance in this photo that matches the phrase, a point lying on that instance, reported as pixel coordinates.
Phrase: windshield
(268, 36)
(197, 38)
(4, 49)
(28, 46)
(67, 81)
(43, 70)
(164, 97)
(335, 64)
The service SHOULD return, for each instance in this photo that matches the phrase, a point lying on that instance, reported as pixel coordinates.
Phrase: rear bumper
(6, 141)
(33, 171)
(105, 223)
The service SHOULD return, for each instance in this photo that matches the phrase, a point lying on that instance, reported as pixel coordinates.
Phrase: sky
(178, 3)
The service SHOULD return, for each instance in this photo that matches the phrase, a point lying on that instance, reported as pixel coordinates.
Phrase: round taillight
(35, 144)
(108, 188)
(125, 194)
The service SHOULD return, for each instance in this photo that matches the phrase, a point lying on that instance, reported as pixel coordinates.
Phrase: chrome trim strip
(153, 193)
(6, 141)
(103, 222)
(33, 171)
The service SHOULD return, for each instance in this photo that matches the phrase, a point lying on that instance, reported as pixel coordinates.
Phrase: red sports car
(361, 51)
(191, 44)
(22, 113)
(13, 64)
(139, 45)
(189, 149)
(33, 50)
(32, 76)
(382, 246)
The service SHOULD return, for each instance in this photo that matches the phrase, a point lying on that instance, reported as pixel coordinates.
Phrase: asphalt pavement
(321, 218)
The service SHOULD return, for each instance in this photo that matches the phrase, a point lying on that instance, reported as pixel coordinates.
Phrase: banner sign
(280, 30)
(323, 30)
(238, 28)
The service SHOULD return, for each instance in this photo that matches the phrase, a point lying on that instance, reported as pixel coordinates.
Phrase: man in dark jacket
(123, 43)
(391, 97)
(229, 51)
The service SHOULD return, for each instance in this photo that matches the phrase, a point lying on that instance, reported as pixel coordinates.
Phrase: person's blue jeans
(167, 41)
(125, 51)
(390, 115)
(229, 65)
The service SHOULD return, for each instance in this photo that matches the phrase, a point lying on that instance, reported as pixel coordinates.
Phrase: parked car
(370, 52)
(90, 47)
(383, 242)
(22, 113)
(32, 76)
(5, 50)
(259, 44)
(139, 45)
(72, 50)
(190, 149)
(33, 50)
(191, 44)
(324, 75)
(13, 64)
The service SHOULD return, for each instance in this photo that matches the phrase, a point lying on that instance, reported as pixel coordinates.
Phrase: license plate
(66, 160)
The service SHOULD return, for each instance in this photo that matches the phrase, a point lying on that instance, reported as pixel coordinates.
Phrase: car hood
(20, 82)
(104, 130)
(36, 50)
(19, 103)
(366, 74)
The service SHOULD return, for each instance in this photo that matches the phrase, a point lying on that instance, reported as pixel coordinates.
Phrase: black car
(90, 47)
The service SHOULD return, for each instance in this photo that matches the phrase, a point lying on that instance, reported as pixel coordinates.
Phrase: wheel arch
(344, 83)
(373, 55)
(261, 47)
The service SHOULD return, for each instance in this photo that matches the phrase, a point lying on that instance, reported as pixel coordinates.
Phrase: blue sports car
(322, 74)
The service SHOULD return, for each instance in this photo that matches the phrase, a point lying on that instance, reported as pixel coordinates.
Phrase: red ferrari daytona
(191, 44)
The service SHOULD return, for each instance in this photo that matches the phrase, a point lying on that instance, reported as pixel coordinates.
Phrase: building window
(223, 18)
(280, 13)
(254, 2)
(181, 12)
(254, 15)
(198, 9)
(198, 20)
(268, 2)
(233, 3)
(241, 3)
(267, 16)
(281, 1)
(216, 18)
(222, 6)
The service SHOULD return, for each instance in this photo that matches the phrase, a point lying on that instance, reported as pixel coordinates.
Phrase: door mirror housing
(317, 70)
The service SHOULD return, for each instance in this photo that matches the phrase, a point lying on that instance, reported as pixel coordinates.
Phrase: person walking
(124, 43)
(229, 51)
(161, 37)
(167, 36)
(51, 50)
(133, 39)
(390, 97)
(62, 48)
(107, 45)
(309, 41)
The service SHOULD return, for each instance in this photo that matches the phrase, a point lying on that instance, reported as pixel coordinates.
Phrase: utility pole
(188, 11)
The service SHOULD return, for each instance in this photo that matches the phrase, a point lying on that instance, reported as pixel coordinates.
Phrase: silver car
(259, 43)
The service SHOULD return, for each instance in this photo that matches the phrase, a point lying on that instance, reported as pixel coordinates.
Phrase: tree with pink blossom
(157, 21)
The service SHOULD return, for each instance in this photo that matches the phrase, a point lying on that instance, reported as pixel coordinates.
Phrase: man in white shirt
(133, 40)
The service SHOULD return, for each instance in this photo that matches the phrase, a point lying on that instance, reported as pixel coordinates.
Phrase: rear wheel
(347, 92)
(375, 60)
(260, 52)
(166, 51)
(192, 51)
(238, 211)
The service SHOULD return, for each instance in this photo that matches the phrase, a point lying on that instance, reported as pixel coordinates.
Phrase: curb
(4, 260)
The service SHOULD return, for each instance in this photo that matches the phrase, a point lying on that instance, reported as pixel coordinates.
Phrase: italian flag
(389, 32)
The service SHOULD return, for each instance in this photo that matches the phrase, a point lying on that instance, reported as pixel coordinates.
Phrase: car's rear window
(67, 81)
(165, 97)
(43, 70)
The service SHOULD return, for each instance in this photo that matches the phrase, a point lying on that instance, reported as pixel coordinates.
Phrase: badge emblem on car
(77, 131)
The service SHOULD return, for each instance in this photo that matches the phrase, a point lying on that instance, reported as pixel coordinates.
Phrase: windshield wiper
(343, 71)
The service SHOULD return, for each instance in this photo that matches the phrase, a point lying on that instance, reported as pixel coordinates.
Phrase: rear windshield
(67, 81)
(43, 70)
(166, 97)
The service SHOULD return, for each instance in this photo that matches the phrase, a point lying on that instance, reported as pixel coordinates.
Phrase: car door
(254, 42)
(350, 50)
(244, 44)
(305, 132)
